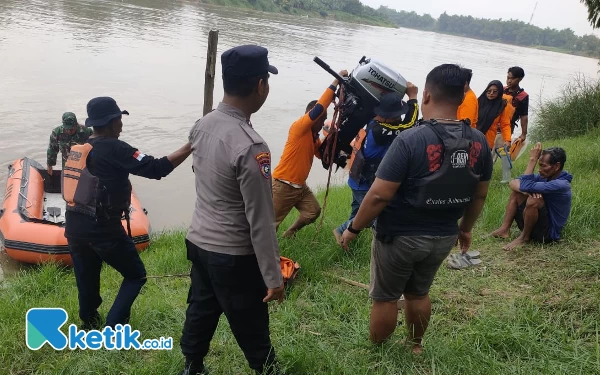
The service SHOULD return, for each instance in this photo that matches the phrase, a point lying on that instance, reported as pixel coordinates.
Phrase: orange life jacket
(518, 98)
(79, 187)
(289, 269)
(510, 105)
(515, 100)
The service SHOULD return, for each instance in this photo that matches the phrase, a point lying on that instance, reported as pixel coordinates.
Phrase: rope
(335, 124)
(165, 276)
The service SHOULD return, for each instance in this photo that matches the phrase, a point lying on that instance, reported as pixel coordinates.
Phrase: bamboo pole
(351, 282)
(400, 303)
(209, 75)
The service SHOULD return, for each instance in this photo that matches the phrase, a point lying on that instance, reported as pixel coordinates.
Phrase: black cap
(246, 61)
(391, 106)
(102, 110)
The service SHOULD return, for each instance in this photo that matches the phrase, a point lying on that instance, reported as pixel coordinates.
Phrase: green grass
(367, 20)
(592, 54)
(534, 311)
(270, 6)
(261, 5)
(576, 111)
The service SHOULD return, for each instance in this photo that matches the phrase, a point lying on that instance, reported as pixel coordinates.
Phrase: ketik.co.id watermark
(43, 325)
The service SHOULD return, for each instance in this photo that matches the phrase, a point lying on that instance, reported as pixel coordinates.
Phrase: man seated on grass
(541, 203)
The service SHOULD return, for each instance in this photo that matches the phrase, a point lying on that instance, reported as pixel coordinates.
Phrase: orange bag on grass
(515, 148)
(289, 269)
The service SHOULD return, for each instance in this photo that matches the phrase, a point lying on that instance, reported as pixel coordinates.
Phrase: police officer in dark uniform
(102, 238)
(232, 241)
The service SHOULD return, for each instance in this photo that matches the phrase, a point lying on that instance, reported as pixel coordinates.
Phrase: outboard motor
(363, 89)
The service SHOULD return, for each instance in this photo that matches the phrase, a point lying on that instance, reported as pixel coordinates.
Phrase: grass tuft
(575, 112)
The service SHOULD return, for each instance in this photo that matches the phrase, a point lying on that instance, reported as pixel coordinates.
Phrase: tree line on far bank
(504, 31)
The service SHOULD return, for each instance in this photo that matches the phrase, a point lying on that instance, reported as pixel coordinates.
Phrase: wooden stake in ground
(209, 75)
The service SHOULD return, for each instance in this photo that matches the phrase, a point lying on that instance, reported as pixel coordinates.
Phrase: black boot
(272, 369)
(95, 322)
(194, 368)
(270, 372)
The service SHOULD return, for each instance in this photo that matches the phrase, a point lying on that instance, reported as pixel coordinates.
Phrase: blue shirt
(371, 150)
(557, 198)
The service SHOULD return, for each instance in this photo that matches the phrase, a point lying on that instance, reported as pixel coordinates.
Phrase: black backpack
(453, 184)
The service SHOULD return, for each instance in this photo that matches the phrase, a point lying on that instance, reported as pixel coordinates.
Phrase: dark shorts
(541, 230)
(406, 265)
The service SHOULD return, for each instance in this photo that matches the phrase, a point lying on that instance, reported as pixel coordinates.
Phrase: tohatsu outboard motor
(363, 89)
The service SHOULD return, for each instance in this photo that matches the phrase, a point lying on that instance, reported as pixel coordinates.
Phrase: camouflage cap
(69, 120)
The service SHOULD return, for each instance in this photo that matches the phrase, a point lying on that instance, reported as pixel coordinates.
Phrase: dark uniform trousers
(121, 254)
(230, 284)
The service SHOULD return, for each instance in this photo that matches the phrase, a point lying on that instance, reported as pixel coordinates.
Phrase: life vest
(79, 187)
(510, 107)
(518, 96)
(453, 184)
(515, 99)
(355, 144)
(385, 135)
(289, 269)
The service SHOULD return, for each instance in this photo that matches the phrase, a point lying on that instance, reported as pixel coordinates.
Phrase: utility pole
(532, 13)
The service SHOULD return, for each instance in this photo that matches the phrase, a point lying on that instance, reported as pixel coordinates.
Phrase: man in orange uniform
(469, 107)
(289, 177)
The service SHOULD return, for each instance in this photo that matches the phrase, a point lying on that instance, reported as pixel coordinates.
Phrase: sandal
(473, 254)
(460, 261)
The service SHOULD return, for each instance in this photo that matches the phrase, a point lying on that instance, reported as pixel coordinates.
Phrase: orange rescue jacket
(79, 187)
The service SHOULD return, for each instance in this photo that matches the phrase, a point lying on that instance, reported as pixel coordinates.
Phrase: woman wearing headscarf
(495, 113)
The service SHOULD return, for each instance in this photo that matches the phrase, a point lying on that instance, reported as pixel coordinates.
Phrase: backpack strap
(442, 133)
(467, 131)
(438, 130)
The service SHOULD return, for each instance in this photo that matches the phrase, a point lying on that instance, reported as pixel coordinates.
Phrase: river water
(150, 55)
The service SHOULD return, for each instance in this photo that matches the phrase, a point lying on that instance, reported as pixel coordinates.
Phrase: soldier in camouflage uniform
(64, 136)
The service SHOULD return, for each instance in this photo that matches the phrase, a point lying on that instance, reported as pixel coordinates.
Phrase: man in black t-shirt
(414, 235)
(101, 238)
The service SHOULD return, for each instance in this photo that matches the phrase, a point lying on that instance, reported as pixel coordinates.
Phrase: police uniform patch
(264, 163)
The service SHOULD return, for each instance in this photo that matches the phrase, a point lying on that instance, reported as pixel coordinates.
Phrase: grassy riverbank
(574, 111)
(534, 311)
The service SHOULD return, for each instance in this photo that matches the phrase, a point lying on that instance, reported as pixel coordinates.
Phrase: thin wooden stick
(351, 282)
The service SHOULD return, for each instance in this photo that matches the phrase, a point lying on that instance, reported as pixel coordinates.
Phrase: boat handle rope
(168, 276)
(28, 201)
(26, 182)
(335, 125)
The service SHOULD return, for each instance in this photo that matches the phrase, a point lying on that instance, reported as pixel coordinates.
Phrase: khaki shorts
(406, 265)
(286, 197)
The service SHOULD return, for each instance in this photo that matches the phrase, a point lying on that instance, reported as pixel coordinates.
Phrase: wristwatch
(352, 230)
